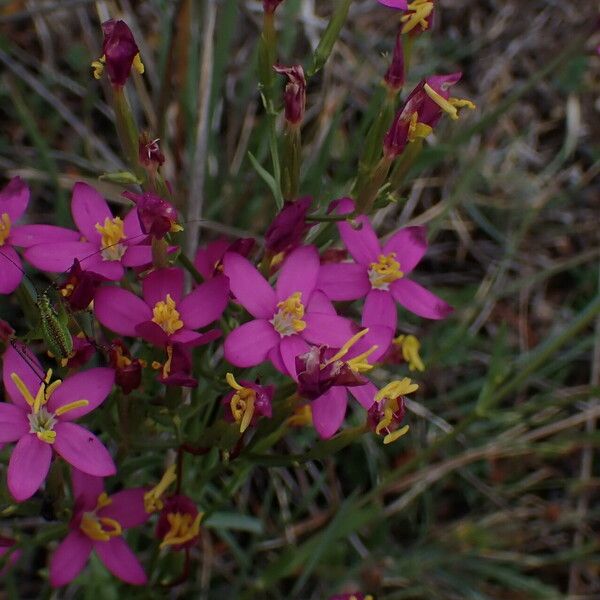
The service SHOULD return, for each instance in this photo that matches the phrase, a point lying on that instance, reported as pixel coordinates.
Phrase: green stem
(404, 163)
(368, 194)
(290, 161)
(127, 131)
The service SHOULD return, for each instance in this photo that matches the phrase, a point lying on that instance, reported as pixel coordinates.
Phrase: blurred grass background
(494, 492)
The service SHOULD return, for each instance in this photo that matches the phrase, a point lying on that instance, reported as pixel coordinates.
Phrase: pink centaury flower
(164, 316)
(287, 318)
(380, 273)
(108, 243)
(98, 523)
(40, 415)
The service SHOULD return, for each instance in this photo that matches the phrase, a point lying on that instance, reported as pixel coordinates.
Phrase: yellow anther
(395, 389)
(47, 436)
(121, 360)
(103, 500)
(419, 12)
(4, 228)
(98, 66)
(288, 319)
(153, 498)
(166, 315)
(277, 260)
(302, 416)
(112, 232)
(67, 290)
(182, 530)
(175, 227)
(360, 364)
(242, 403)
(385, 271)
(61, 410)
(449, 106)
(346, 347)
(23, 389)
(138, 65)
(100, 529)
(394, 435)
(417, 130)
(410, 347)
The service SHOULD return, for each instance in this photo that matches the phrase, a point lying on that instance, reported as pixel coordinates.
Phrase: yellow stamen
(4, 228)
(346, 347)
(302, 416)
(61, 410)
(153, 498)
(175, 227)
(360, 364)
(385, 271)
(46, 436)
(395, 389)
(410, 346)
(182, 529)
(166, 315)
(67, 290)
(121, 360)
(394, 435)
(421, 9)
(241, 403)
(112, 232)
(417, 130)
(103, 500)
(22, 388)
(138, 65)
(449, 106)
(288, 319)
(100, 529)
(98, 66)
(277, 260)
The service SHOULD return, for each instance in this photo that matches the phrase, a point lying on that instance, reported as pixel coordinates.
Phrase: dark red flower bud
(149, 152)
(289, 227)
(128, 370)
(157, 216)
(394, 76)
(119, 53)
(294, 96)
(80, 286)
(247, 402)
(178, 525)
(269, 6)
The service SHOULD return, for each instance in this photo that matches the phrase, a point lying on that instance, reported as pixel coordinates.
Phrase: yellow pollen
(121, 360)
(385, 271)
(4, 228)
(112, 233)
(241, 403)
(421, 9)
(395, 389)
(138, 65)
(67, 290)
(98, 66)
(302, 417)
(175, 227)
(394, 435)
(277, 260)
(346, 347)
(103, 500)
(449, 106)
(47, 436)
(410, 346)
(360, 364)
(100, 529)
(71, 406)
(417, 130)
(153, 498)
(166, 315)
(182, 530)
(288, 319)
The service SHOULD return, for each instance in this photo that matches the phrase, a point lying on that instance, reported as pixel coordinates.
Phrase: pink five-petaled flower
(325, 376)
(287, 318)
(119, 53)
(380, 273)
(98, 523)
(39, 417)
(111, 243)
(164, 316)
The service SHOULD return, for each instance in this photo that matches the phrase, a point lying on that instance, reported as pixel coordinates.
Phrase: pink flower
(397, 4)
(164, 316)
(40, 415)
(178, 525)
(209, 260)
(80, 286)
(98, 523)
(287, 318)
(109, 243)
(380, 273)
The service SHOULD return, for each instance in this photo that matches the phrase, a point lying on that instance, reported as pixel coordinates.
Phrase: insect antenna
(21, 350)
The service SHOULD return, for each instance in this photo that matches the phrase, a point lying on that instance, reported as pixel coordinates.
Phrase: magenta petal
(127, 507)
(112, 270)
(397, 4)
(362, 243)
(419, 301)
(121, 561)
(10, 270)
(248, 286)
(13, 362)
(298, 274)
(86, 488)
(379, 336)
(343, 281)
(161, 282)
(26, 236)
(409, 245)
(137, 256)
(320, 303)
(206, 303)
(275, 357)
(327, 329)
(69, 558)
(329, 410)
(206, 258)
(28, 466)
(187, 337)
(132, 227)
(365, 394)
(249, 344)
(152, 332)
(58, 257)
(93, 385)
(13, 422)
(380, 309)
(89, 208)
(290, 347)
(14, 197)
(82, 449)
(120, 310)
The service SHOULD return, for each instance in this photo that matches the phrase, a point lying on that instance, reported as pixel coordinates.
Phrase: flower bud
(394, 76)
(128, 370)
(270, 6)
(157, 216)
(294, 96)
(289, 227)
(149, 152)
(80, 286)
